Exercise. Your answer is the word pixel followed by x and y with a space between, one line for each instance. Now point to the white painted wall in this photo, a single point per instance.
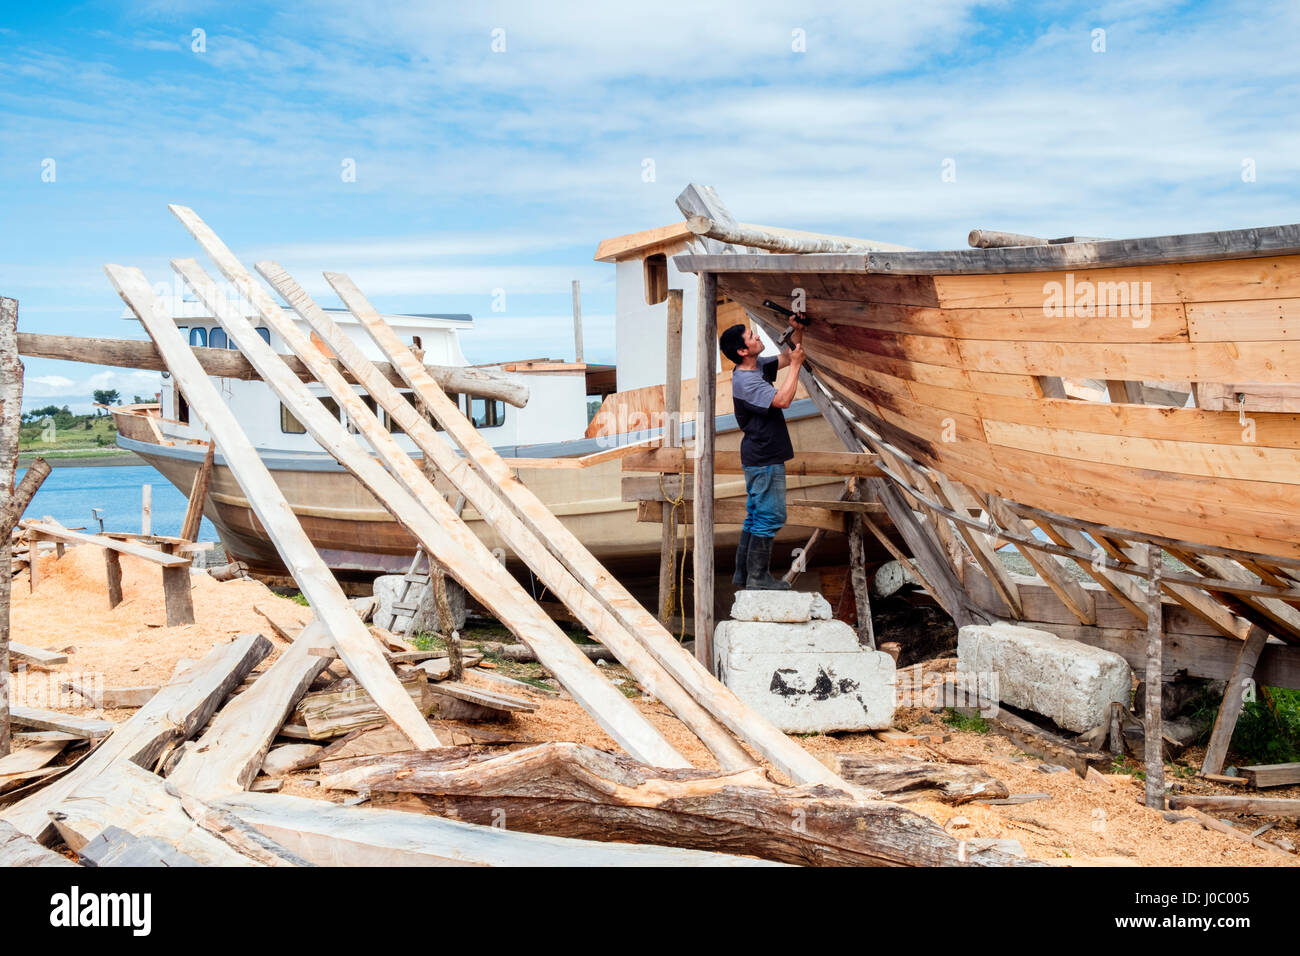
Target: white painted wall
pixel 641 331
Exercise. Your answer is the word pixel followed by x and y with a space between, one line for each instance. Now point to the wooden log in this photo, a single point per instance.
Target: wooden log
pixel 904 780
pixel 706 361
pixel 565 789
pixel 1252 806
pixel 357 648
pixel 699 684
pixel 18 849
pixel 1043 743
pixel 1234 699
pixel 198 495
pixel 429 517
pixel 176 712
pixel 224 363
pixel 995 239
pixel 330 835
pixel 1272 775
pixel 232 750
pixel 523 653
pixel 332 713
pixel 11 403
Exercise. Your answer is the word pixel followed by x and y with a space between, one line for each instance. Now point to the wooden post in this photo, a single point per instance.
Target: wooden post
pixel 1155 760
pixel 146 509
pixel 706 391
pixel 858 576
pixel 1234 697
pixel 11 400
pixel 577 321
pixel 671 436
pixel 11 511
pixel 113 572
pixel 198 494
pixel 176 591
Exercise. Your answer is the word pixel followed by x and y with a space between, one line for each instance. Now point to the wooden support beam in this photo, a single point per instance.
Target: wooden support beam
pixel 11 402
pixel 1240 685
pixel 858 577
pixel 708 692
pixel 198 495
pixel 1073 596
pixel 1155 680
pixel 705 426
pixel 176 592
pixel 113 574
pixel 981 548
pixel 355 645
pixel 12 509
pixel 731 511
pixel 50 530
pixel 669 580
pixel 174 713
pixel 673 460
pixel 226 363
pixel 1123 587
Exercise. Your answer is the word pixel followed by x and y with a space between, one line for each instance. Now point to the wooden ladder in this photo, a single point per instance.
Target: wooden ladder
pixel 403 604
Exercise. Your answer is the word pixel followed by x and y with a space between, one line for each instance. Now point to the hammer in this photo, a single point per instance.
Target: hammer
pixel 784 340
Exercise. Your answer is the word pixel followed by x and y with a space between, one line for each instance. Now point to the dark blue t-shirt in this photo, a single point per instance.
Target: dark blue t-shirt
pixel 766 441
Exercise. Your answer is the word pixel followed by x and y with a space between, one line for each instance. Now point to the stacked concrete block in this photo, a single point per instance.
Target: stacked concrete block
pixel 1070 682
pixel 783 655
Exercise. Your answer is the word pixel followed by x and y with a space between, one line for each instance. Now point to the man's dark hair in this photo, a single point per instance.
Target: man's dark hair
pixel 731 342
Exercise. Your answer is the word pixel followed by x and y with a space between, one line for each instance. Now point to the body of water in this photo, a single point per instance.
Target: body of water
pixel 69 494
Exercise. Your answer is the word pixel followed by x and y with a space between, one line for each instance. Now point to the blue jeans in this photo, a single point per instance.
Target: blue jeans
pixel 765 507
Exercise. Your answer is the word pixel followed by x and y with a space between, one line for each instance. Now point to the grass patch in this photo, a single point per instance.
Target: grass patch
pixel 973 724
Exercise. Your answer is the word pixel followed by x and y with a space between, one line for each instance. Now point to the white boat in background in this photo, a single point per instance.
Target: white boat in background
pixel 357 537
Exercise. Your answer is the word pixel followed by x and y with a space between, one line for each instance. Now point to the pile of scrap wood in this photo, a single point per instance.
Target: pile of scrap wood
pixel 149 781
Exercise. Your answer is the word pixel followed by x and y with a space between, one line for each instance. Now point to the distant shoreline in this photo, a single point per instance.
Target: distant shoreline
pixel 71 459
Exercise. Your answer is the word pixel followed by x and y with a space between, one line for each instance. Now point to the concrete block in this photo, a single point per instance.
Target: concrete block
pixel 788 607
pixel 806 678
pixel 388 588
pixel 1072 683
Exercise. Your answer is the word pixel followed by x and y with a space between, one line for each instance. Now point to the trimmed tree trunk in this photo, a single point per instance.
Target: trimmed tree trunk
pixel 11 401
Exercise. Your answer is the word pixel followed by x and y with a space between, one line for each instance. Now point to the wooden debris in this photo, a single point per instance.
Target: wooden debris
pixel 1272 775
pixel 1035 740
pixel 114 846
pixel 18 849
pixel 1207 821
pixel 905 780
pixel 112 698
pixel 36 655
pixel 1015 799
pixel 287 758
pixel 565 789
pixel 39 719
pixel 332 713
pixel 1253 806
pixel 175 713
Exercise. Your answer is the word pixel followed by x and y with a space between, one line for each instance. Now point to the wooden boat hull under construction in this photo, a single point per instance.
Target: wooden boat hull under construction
pixel 958 360
pixel 356 536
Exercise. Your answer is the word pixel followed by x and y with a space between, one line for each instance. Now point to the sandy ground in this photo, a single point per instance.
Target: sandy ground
pixel 1083 821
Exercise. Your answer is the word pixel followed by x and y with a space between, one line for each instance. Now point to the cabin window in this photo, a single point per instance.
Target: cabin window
pixel 198 337
pixel 370 404
pixel 217 340
pixel 182 406
pixel 289 424
pixel 331 406
pixel 486 414
pixel 655 272
pixel 265 333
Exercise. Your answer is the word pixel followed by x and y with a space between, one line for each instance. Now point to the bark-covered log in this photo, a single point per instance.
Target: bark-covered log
pixel 913 779
pixel 565 789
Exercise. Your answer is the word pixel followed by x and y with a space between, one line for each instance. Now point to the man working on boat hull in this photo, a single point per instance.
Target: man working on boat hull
pixel 765 449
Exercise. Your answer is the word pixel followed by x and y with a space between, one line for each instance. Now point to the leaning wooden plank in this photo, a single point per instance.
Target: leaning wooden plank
pixel 231 751
pixel 1234 699
pixel 566 789
pixel 1035 740
pixel 38 719
pixel 14 506
pixel 18 849
pixel 354 644
pixel 470 562
pixel 175 712
pixel 226 363
pixel 728 709
pixel 1072 595
pixel 1253 806
pixel 331 835
pixel 127 796
pixel 486 501
pixel 30 758
pixel 37 655
pixel 58 532
pixel 198 495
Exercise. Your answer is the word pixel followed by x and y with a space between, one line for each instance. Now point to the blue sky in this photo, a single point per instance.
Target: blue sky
pixel 479 169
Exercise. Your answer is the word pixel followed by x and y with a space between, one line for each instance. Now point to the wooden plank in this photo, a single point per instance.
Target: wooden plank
pixel 113 575
pixel 36 655
pixel 721 703
pixel 705 463
pixel 176 593
pixel 355 645
pixel 232 749
pixel 1121 586
pixel 33 757
pixel 18 849
pixel 1252 806
pixel 980 547
pixel 227 363
pixel 1155 681
pixel 330 835
pixel 38 719
pixel 674 460
pixel 1234 698
pixel 1072 595
pixel 668 577
pixel 332 713
pixel 858 578
pixel 56 532
pixel 441 531
pixel 198 495
pixel 1272 775
pixel 183 706
pixel 732 511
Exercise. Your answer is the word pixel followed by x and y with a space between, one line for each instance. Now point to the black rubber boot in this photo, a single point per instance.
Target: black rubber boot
pixel 742 556
pixel 758 561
